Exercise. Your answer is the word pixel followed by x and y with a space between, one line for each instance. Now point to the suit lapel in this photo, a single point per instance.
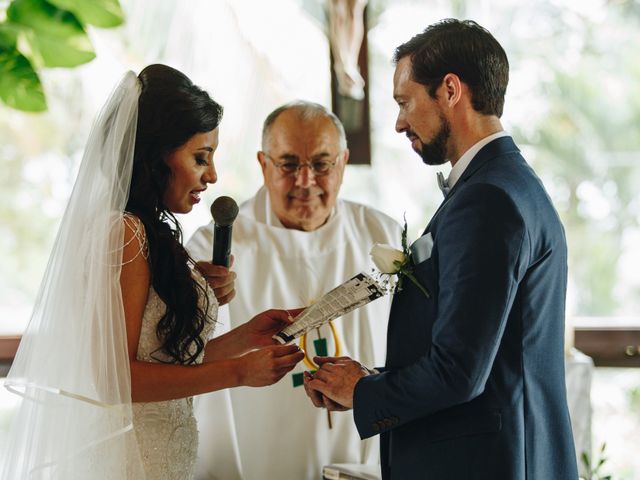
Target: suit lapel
pixel 496 148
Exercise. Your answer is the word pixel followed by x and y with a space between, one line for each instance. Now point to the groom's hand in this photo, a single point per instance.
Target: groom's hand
pixel 336 380
pixel 318 399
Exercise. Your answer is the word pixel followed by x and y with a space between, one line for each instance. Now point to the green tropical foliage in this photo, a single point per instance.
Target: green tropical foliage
pixel 39 34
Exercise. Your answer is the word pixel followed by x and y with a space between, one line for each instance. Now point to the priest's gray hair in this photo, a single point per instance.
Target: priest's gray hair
pixel 307 111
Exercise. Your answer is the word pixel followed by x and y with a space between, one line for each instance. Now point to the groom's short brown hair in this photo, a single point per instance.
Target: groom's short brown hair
pixel 466 49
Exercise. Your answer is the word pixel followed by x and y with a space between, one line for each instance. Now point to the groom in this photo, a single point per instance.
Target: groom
pixel 473 386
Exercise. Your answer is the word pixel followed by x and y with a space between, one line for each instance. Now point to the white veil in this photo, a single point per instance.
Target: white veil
pixel 72 369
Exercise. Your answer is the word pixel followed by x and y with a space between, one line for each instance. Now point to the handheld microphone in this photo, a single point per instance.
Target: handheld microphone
pixel 224 211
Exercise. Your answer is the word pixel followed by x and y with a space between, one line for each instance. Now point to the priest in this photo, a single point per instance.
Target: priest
pixel 294 241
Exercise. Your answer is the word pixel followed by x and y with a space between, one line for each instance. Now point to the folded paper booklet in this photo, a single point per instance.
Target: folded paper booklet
pixel 353 293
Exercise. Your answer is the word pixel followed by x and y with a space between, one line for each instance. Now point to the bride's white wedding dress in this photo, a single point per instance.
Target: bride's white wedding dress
pixel 166 432
pixel 75 419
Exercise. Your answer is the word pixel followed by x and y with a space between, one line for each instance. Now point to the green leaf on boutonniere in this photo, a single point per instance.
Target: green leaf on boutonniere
pixel 409 274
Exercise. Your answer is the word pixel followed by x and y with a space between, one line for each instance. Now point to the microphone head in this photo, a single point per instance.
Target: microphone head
pixel 224 210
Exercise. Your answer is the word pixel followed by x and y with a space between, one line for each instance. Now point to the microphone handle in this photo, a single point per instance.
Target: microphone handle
pixel 221 244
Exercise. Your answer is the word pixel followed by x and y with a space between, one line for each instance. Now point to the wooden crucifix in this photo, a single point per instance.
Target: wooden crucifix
pixel 349 74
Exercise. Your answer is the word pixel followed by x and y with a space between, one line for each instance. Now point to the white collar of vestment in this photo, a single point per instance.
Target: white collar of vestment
pixel 461 165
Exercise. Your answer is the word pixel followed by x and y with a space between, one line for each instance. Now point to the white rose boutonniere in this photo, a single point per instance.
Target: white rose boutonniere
pixel 391 261
pixel 386 258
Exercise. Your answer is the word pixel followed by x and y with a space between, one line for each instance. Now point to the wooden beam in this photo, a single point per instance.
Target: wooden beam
pixel 610 346
pixel 8 348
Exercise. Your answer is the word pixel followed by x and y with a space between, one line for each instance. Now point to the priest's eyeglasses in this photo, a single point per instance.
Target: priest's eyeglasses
pixel 292 168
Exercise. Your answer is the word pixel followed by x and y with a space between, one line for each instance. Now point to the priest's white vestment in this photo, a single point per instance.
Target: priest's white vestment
pixel 275 432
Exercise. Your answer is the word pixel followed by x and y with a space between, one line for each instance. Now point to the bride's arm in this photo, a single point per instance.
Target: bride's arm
pixel 232 344
pixel 157 382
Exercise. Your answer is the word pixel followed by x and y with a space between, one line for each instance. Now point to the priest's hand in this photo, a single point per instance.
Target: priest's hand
pixel 258 331
pixel 220 279
pixel 336 380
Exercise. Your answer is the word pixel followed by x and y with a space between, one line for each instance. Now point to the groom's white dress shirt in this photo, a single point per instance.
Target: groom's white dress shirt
pixel 463 162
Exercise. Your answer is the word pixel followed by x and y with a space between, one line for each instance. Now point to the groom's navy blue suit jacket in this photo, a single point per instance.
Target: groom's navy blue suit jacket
pixel 473 386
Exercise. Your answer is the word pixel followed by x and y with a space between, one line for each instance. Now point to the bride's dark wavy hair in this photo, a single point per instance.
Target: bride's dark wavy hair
pixel 171 110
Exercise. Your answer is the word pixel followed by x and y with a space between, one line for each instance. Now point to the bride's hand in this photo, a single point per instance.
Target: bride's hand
pixel 268 365
pixel 220 279
pixel 259 330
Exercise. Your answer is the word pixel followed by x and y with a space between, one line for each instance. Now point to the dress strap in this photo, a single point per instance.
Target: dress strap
pixel 135 225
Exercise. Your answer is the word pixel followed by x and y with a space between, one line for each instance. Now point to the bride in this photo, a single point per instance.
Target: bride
pixel 119 340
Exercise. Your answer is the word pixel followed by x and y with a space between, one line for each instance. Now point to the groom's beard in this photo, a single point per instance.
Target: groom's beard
pixel 435 152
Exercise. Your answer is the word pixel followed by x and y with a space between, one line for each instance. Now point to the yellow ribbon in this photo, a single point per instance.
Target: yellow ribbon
pixel 303 345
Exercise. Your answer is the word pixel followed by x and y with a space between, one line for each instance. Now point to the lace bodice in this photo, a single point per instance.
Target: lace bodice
pixel 166 431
